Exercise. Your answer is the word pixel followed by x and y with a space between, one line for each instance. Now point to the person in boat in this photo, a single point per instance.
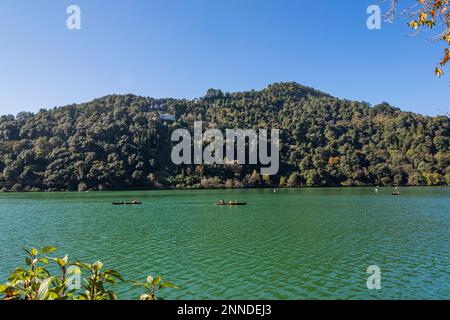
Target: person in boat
pixel 222 201
pixel 135 202
pixel 396 191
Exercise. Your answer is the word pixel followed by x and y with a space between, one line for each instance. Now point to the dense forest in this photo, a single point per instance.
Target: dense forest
pixel 124 142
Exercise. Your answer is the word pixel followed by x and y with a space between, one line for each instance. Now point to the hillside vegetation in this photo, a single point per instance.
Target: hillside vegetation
pixel 119 142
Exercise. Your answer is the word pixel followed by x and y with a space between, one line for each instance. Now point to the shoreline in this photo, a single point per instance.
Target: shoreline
pixel 224 189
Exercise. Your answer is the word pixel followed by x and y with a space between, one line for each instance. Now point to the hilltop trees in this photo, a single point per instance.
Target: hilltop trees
pixel 119 142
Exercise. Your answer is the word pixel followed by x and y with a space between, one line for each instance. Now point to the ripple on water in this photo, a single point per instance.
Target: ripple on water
pixel 295 244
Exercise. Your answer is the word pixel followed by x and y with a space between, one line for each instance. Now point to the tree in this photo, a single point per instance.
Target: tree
pixel 432 178
pixel 429 14
pixel 293 180
pixel 114 143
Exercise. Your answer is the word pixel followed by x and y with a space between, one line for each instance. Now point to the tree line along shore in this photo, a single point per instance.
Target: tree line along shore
pixel 124 142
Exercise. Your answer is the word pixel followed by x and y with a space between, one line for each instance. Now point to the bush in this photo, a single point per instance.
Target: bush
pixel 35 282
pixel 16 188
pixel 82 187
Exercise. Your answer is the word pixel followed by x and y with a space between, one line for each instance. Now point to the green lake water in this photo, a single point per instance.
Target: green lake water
pixel 293 244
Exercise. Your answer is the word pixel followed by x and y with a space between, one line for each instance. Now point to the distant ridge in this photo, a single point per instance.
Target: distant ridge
pixel 123 142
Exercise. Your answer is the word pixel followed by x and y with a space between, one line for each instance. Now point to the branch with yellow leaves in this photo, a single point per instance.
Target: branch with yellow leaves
pixel 432 15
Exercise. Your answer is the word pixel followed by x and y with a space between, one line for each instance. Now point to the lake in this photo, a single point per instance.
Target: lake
pixel 293 244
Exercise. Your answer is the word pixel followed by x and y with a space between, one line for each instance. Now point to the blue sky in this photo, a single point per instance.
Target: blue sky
pixel 180 48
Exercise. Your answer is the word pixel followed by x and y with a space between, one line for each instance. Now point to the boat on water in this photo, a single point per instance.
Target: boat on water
pixel 123 203
pixel 231 203
pixel 396 192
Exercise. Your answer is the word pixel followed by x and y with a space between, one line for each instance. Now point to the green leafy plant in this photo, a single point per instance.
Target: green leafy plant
pixel 152 287
pixel 35 282
pixel 63 288
pixel 95 283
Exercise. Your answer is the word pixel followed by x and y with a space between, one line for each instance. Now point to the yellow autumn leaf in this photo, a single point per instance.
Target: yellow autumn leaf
pixel 447 38
pixel 423 18
pixel 446 58
pixel 438 72
pixel 414 24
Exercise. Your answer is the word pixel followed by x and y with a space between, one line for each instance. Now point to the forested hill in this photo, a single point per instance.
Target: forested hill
pixel 122 142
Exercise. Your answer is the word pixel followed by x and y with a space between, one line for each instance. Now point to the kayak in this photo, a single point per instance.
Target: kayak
pixel 126 203
pixel 232 204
